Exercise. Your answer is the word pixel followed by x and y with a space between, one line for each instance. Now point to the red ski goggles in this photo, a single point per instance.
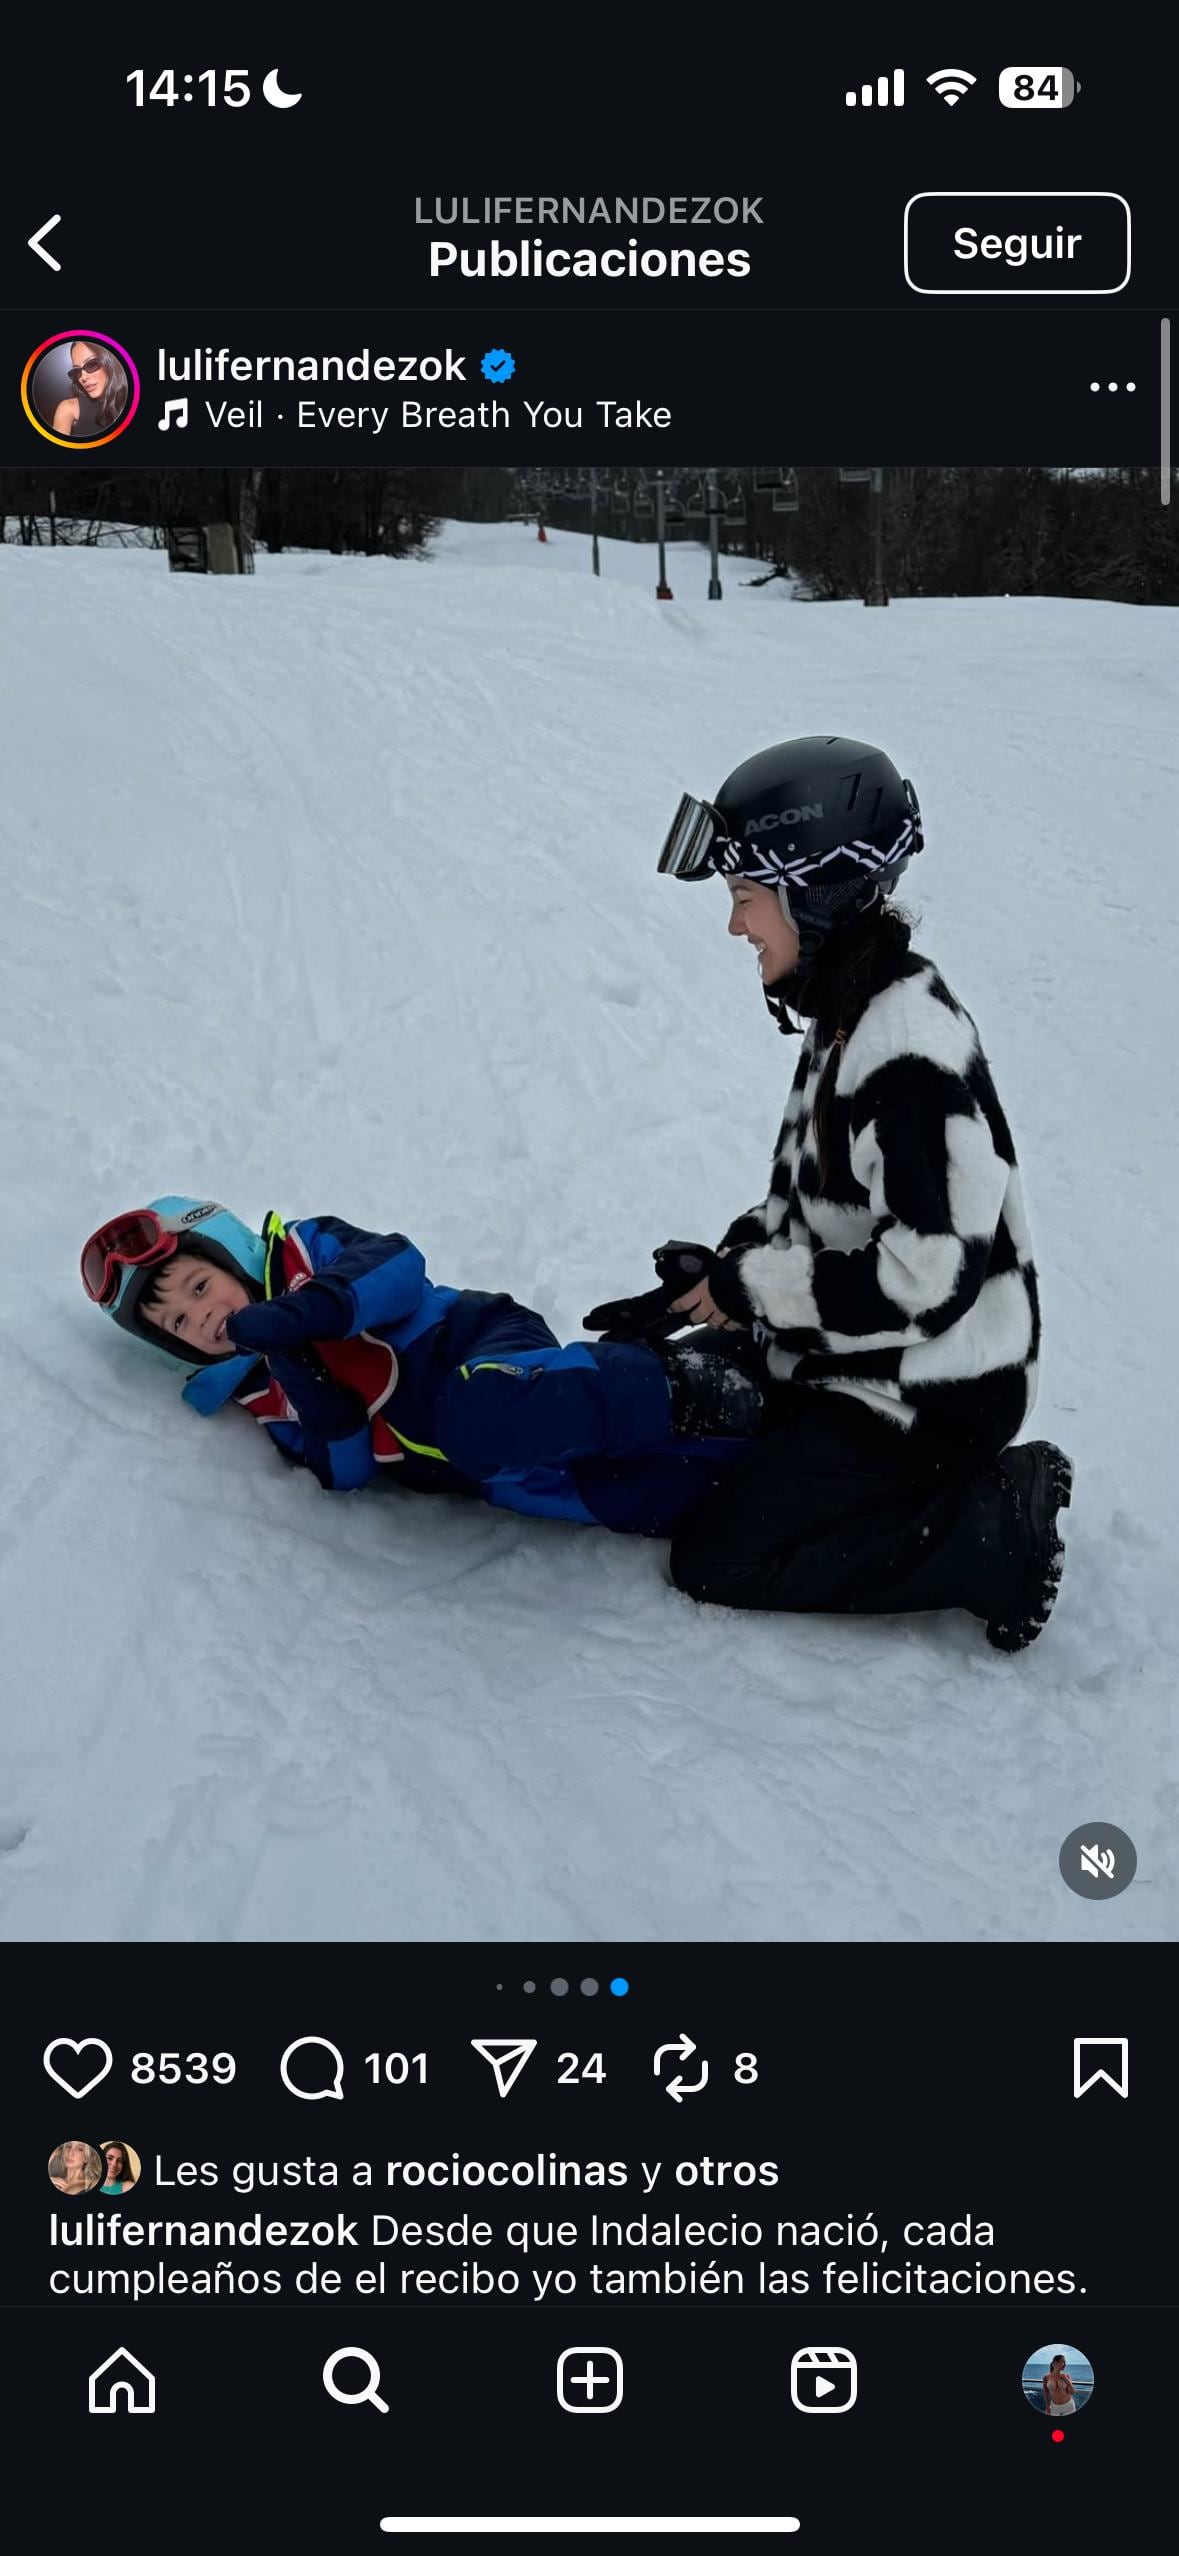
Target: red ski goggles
pixel 126 1242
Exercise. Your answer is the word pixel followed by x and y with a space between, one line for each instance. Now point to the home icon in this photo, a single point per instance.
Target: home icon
pixel 122 2386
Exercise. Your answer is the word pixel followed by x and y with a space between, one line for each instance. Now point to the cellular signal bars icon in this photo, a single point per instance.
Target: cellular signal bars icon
pixel 876 93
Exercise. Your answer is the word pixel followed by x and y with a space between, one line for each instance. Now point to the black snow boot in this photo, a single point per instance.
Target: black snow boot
pixel 717 1389
pixel 1040 1477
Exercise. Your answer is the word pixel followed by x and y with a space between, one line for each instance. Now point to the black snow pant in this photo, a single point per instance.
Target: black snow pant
pixel 825 1516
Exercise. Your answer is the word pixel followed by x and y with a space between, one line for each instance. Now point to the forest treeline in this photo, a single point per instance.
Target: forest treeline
pixel 968 531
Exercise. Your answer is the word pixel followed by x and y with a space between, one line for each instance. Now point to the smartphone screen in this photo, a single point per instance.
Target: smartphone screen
pixel 587 1855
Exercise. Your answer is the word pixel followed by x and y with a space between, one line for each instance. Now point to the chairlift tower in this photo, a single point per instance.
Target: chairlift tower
pixel 536 486
pixel 663 593
pixel 874 479
pixel 715 590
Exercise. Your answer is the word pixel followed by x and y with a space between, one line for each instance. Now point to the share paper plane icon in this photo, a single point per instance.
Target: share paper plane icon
pixel 507 2058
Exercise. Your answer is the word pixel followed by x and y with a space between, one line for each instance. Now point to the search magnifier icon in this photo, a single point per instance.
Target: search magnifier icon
pixel 358 2396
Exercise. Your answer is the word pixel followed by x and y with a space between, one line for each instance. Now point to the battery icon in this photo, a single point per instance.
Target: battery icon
pixel 1024 86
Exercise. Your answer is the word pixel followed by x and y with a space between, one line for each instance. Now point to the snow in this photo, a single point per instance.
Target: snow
pixel 334 889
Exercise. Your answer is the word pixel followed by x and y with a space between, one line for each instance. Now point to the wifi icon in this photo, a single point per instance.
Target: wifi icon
pixel 951 85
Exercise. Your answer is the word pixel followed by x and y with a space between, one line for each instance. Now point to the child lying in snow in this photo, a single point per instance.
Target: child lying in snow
pixel 361 1368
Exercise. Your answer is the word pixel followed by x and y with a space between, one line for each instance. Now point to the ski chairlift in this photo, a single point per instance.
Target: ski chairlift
pixel 618 495
pixel 695 501
pixel 644 497
pixel 781 487
pixel 854 478
pixel 731 490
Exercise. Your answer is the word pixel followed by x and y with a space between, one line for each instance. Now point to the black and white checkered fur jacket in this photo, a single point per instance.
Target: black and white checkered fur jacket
pixel 901 1274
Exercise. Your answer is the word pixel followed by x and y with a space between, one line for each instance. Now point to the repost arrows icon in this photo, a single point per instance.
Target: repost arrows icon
pixel 507 2058
pixel 677 2087
pixel 36 237
pixel 681 2049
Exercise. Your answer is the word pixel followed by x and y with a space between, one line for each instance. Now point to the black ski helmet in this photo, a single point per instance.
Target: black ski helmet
pixel 828 822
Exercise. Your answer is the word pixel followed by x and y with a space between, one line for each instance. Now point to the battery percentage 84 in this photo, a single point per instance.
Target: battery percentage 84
pixel 1037 86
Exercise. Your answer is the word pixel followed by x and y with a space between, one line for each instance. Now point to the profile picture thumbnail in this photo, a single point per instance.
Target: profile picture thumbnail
pixel 123 2168
pixel 80 389
pixel 1057 2380
pixel 76 2167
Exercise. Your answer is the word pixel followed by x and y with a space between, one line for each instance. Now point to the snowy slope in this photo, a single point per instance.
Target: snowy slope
pixel 335 889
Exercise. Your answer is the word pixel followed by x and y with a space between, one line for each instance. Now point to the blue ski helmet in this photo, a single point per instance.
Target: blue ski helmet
pixel 211 1233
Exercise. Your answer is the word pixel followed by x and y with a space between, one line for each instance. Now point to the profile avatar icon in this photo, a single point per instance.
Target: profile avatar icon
pixel 123 2168
pixel 80 388
pixel 75 2168
pixel 1057 2380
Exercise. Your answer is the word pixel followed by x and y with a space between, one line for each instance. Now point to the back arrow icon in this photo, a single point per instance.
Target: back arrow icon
pixel 36 239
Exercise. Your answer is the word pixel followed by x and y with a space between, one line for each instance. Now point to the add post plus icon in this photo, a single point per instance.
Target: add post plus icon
pixel 506 2058
pixel 589 2379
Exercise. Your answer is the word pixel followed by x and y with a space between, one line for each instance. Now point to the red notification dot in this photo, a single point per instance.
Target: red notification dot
pixel 1058 2436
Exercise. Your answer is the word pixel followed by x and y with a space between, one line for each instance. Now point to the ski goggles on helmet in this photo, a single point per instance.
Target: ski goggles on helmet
pixel 697 840
pixel 133 1241
pixel 700 846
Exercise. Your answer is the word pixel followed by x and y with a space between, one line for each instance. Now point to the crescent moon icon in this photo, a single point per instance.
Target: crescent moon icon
pixel 276 95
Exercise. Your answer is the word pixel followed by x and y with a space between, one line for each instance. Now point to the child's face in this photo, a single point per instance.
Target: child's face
pixel 194 1302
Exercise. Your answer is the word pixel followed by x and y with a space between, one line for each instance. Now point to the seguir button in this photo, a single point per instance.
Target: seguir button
pixel 1017 241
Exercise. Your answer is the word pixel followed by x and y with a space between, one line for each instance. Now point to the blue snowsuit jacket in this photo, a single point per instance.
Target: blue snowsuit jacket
pixel 447 1388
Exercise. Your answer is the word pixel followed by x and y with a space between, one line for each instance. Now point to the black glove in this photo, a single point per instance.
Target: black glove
pixel 683 1265
pixel 652 1317
pixel 289 1321
pixel 637 1318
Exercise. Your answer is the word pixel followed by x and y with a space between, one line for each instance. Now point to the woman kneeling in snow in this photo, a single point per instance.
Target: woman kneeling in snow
pixel 887 1275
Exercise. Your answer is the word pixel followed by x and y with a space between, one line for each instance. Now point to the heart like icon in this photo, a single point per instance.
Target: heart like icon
pixel 63 2042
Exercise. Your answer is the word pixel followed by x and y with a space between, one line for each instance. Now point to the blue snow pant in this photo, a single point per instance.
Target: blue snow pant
pixel 574 1432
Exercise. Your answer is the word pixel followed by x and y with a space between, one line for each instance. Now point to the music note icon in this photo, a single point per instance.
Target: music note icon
pixel 175 414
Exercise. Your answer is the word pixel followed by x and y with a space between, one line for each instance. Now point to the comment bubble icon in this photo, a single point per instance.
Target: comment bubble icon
pixel 308 2080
